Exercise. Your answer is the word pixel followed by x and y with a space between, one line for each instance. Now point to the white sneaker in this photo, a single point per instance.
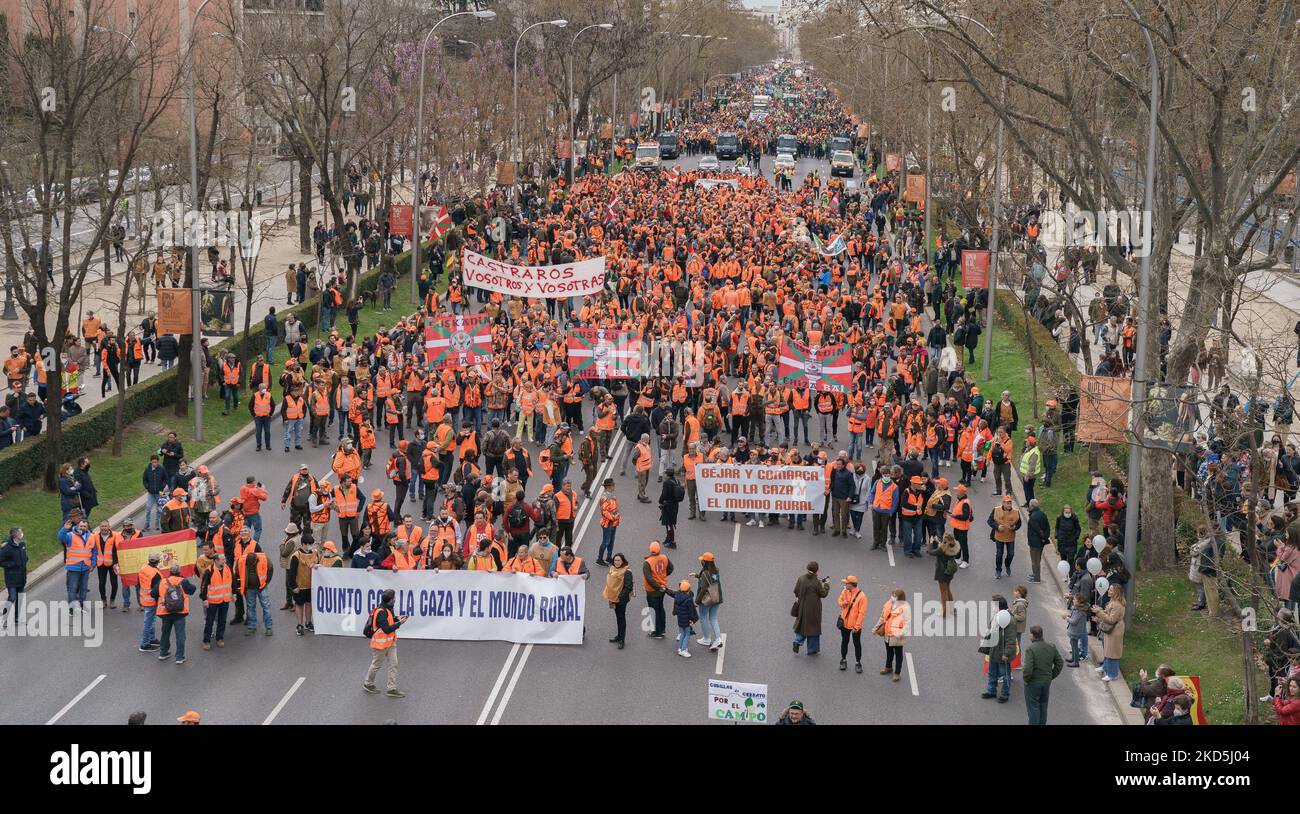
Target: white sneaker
pixel 981 478
pixel 963 564
pixel 761 524
pixel 751 522
pixel 684 654
pixel 1099 669
pixel 704 642
pixel 857 534
pixel 1107 679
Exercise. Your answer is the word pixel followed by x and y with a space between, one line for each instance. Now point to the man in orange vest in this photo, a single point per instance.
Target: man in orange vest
pixel 172 593
pixel 382 632
pixel 262 407
pixel 566 509
pixel 643 461
pixel 79 560
pixel 347 506
pixel 231 371
pixel 216 589
pixel 145 579
pixel 655 571
pixel 253 570
pixel 884 505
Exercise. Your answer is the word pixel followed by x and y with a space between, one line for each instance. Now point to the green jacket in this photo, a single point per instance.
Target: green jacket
pixel 1049 434
pixel 1042 662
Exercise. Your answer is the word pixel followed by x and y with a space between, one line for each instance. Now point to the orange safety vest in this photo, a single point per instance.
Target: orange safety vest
pixel 642 456
pixel 144 580
pixel 243 572
pixel 572 568
pixel 377 515
pixel 346 503
pixel 320 403
pixel 563 506
pixel 79 550
pixel 292 407
pixel 262 404
pixel 883 497
pixel 230 375
pixel 957 509
pixel 105 549
pixel 913 503
pixel 166 583
pixel 659 568
pixel 219 591
pixel 609 517
pixel 380 640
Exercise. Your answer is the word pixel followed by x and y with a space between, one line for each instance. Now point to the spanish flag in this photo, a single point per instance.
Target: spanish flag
pixel 1193 686
pixel 172 548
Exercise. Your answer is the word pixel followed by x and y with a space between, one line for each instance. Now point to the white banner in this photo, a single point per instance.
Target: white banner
pixel 462 605
pixel 760 489
pixel 574 279
pixel 737 702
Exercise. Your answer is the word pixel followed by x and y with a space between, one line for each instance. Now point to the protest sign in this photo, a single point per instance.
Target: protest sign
pixel 575 279
pixel 760 489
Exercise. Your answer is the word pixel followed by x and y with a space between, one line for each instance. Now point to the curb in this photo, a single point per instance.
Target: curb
pixel 54 564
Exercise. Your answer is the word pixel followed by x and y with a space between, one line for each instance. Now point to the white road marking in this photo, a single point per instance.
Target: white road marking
pixel 590 508
pixel 911 673
pixel 74 701
pixel 496 688
pixel 284 700
pixel 510 690
pixel 722 651
pixel 889 549
pixel 735 540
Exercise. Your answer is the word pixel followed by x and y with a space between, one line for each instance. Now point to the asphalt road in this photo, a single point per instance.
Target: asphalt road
pixel 286 679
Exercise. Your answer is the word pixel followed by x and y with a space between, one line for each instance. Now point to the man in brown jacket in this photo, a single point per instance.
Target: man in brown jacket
pixel 1004 521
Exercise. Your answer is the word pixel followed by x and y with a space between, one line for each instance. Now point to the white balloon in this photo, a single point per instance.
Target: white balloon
pixel 1102 584
pixel 1094 566
pixel 1063 568
pixel 1003 618
pixel 1099 542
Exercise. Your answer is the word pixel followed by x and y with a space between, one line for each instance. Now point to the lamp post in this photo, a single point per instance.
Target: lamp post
pixel 485 14
pixel 196 351
pixel 1134 497
pixel 569 99
pixel 518 148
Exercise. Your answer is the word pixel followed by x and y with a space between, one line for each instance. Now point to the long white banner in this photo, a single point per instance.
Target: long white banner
pixel 462 605
pixel 761 489
pixel 554 282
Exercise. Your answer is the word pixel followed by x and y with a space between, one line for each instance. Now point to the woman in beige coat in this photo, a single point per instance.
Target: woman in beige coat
pixel 1112 639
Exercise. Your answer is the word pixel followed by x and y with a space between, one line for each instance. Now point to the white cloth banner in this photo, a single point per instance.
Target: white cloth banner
pixel 574 279
pixel 461 605
pixel 760 489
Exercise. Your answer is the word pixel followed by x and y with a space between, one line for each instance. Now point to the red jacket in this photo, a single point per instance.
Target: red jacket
pixel 251 496
pixel 1288 712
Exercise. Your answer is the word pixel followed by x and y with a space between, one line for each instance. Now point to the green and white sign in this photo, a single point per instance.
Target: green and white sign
pixel 736 702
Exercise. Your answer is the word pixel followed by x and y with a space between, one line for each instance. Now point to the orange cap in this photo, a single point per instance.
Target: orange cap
pixel 706 556
pixel 190 717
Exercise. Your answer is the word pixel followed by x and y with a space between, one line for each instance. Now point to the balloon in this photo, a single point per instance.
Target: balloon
pixel 1003 618
pixel 1094 566
pixel 1102 585
pixel 1063 568
pixel 1099 542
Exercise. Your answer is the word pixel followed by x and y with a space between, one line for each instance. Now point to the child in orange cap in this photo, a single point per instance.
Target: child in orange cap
pixel 684 610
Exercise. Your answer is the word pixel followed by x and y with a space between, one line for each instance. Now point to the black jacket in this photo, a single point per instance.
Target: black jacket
pixel 155 479
pixel 1067 532
pixel 1040 529
pixel 635 425
pixel 13 559
pixel 168 347
pixel 89 497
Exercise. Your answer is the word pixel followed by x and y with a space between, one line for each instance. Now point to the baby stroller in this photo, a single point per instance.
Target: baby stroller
pixel 69 408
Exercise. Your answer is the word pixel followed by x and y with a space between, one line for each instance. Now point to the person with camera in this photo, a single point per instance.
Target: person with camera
pixel 382 632
pixel 809 591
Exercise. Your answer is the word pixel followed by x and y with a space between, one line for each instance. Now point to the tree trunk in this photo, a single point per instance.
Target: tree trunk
pixel 304 205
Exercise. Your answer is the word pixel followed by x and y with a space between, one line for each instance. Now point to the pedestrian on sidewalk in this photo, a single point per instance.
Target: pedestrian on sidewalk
pixel 13 562
pixel 1039 532
pixel 809 591
pixel 291 282
pixel 1042 664
pixel 271 327
pixel 382 632
pixel 172 594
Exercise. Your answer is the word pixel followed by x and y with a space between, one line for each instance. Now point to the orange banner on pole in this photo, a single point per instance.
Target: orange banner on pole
pixel 915 191
pixel 864 130
pixel 401 220
pixel 172 548
pixel 1104 403
pixel 505 173
pixel 174 306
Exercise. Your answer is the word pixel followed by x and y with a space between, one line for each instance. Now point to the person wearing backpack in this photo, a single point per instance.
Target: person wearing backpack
pixel 381 630
pixel 173 597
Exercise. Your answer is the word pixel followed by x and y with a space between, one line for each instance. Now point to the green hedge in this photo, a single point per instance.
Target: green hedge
pixel 1048 354
pixel 94 428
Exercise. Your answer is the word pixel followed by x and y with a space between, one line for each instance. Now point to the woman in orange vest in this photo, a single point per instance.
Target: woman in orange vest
pixel 853 609
pixel 382 631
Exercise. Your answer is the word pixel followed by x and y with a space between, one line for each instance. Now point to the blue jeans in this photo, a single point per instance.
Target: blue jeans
pixel 253 598
pixel 231 394
pixel 934 461
pixel 270 348
pixel 294 426
pixel 153 504
pixel 855 445
pixel 683 636
pixel 254 522
pixel 1110 667
pixel 709 621
pixel 606 551
pixel 146 633
pixel 999 670
pixel 262 431
pixel 166 364
pixel 78 583
pixel 814 643
pixel 172 622
pixel 126 596
pixel 912 536
pixel 1078 647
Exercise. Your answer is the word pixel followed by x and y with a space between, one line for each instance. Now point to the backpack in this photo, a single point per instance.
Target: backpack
pixel 959 335
pixel 518 516
pixel 174 598
pixel 999 457
pixel 369 630
pixel 709 420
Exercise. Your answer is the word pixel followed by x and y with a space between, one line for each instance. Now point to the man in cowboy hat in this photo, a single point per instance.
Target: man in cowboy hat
pixel 292 535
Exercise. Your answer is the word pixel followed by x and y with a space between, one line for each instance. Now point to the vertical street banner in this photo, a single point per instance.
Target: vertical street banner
pixel 915 191
pixel 505 173
pixel 442 224
pixel 827 369
pixel 174 307
pixel 892 162
pixel 401 220
pixel 576 279
pixel 864 130
pixel 760 489
pixel 974 268
pixel 458 341
pixel 172 548
pixel 455 605
pixel 217 311
pixel 1104 403
pixel 597 353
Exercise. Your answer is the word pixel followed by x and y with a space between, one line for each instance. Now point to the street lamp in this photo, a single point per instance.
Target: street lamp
pixel 470 42
pixel 569 100
pixel 484 14
pixel 196 351
pixel 559 23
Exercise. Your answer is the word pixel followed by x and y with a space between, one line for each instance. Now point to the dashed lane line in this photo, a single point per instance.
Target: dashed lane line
pixel 92 685
pixel 284 700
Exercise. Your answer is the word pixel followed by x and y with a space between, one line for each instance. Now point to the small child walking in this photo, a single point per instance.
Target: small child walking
pixel 684 610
